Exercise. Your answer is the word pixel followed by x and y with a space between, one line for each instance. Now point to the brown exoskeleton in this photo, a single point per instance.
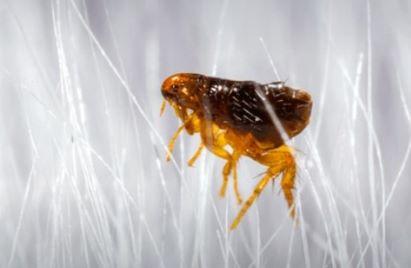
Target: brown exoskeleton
pixel 249 117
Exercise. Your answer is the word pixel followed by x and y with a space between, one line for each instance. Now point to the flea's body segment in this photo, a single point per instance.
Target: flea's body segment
pixel 248 117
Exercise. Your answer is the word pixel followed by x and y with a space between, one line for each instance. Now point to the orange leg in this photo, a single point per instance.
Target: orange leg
pixel 283 156
pixel 219 150
pixel 196 155
pixel 287 184
pixel 215 141
pixel 279 160
pixel 187 123
pixel 226 173
pixel 172 142
pixel 240 145
pixel 236 157
pixel 272 172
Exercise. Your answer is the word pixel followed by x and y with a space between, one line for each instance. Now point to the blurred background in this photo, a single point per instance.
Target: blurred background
pixel 83 176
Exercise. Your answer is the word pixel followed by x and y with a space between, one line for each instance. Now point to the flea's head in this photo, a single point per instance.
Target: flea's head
pixel 180 89
pixel 292 107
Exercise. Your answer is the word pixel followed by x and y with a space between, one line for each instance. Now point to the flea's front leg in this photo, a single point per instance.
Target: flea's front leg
pixel 175 136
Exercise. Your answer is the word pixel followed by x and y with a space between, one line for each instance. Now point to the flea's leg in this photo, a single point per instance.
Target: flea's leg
pixel 226 173
pixel 196 155
pixel 240 145
pixel 215 141
pixel 219 150
pixel 172 142
pixel 175 136
pixel 284 156
pixel 236 157
pixel 287 184
pixel 257 190
pixel 280 160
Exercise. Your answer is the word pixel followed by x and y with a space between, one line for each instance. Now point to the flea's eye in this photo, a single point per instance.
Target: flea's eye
pixel 174 88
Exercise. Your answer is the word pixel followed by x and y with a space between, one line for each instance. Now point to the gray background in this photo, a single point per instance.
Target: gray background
pixel 83 176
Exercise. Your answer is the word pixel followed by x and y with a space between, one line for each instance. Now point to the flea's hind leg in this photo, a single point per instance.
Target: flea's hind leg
pixel 287 184
pixel 271 173
pixel 284 156
pixel 279 160
pixel 196 155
